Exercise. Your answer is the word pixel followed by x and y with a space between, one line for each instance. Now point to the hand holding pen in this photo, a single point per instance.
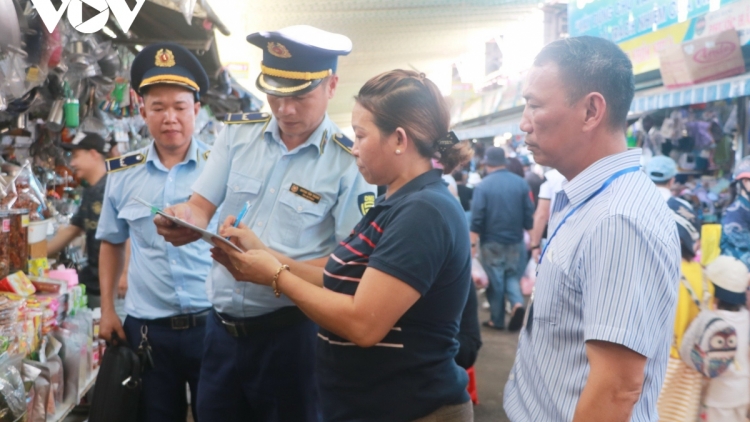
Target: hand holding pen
pixel 240 234
pixel 243 213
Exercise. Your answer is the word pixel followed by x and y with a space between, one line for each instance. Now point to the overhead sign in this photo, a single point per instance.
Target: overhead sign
pixel 704 59
pixel 124 15
pixel 644 50
pixel 621 20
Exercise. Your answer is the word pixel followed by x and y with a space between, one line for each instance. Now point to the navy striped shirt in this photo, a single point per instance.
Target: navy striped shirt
pixel 610 274
pixel 418 235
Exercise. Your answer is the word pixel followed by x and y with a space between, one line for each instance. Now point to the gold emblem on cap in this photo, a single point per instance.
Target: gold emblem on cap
pixel 165 58
pixel 278 50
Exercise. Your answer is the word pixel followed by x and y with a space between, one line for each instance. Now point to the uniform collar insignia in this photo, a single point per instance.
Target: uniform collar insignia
pixel 124 162
pixel 323 142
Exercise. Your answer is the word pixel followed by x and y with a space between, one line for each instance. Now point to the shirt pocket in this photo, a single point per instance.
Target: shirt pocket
pixel 140 223
pixel 553 287
pixel 297 215
pixel 240 188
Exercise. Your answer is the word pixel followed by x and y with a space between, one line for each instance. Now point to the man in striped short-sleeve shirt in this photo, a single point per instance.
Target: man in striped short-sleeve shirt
pixel 597 337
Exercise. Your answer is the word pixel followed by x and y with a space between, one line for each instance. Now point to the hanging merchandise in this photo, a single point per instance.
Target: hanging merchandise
pixel 122 101
pixel 186 8
pixel 701 139
pixel 71 111
pixel 54 86
pixel 10 32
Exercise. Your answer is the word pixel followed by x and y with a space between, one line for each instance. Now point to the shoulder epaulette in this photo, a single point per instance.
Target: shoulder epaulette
pixel 125 162
pixel 343 142
pixel 236 118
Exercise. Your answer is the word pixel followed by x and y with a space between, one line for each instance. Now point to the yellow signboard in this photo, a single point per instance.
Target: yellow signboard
pixel 644 50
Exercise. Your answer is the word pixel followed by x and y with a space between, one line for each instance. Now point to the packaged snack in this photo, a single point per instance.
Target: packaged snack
pixel 17 283
pixel 38 266
pixel 12 394
pixel 4 243
pixel 49 285
pixel 18 254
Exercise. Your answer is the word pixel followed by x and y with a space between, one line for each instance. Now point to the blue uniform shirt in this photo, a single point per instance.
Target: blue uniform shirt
pixel 163 280
pixel 303 202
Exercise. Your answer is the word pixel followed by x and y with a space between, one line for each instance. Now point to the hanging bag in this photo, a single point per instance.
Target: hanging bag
pixel 118 385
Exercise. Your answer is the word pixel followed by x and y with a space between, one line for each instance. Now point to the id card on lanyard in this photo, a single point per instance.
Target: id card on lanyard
pixel 529 315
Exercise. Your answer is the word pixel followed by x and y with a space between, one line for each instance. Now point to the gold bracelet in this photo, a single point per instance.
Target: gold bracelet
pixel 276 278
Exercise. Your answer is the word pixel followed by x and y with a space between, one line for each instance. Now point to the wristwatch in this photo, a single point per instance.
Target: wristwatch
pixel 535 247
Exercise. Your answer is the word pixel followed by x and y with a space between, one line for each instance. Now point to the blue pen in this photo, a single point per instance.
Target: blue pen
pixel 239 218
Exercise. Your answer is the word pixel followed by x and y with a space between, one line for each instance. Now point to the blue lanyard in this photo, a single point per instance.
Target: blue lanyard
pixel 577 207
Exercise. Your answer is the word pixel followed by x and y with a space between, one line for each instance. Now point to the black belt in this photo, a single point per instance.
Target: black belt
pixel 242 327
pixel 180 322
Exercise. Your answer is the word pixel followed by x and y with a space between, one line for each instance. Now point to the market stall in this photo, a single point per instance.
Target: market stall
pixel 54 86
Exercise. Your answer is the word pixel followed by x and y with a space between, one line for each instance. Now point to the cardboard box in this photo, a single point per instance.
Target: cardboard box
pixel 705 59
pixel 38 249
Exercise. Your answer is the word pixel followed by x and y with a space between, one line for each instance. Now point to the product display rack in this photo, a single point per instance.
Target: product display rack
pixel 64 410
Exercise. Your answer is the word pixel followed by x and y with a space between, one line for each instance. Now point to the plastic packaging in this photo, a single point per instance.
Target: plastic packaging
pixel 478 274
pixel 24 191
pixel 186 8
pixel 4 244
pixel 529 278
pixel 42 403
pixel 19 253
pixel 12 394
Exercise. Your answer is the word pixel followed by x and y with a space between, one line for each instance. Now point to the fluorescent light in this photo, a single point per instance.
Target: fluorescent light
pixel 109 32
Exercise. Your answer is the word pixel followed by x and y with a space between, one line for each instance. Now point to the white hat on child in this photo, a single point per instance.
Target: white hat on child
pixel 730 277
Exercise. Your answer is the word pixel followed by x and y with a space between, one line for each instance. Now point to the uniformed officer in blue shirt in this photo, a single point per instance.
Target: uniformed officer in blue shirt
pixel 166 303
pixel 305 195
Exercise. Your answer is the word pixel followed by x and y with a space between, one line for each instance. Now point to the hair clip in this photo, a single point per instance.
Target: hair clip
pixel 446 142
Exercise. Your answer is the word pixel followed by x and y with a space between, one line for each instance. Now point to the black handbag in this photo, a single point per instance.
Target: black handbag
pixel 118 386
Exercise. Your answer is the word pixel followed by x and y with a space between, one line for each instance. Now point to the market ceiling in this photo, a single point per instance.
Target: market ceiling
pixel 424 35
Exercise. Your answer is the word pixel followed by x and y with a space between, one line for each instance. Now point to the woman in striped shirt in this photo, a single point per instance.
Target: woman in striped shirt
pixel 394 290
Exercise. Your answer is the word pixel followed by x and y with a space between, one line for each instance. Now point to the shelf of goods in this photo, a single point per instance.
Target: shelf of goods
pixel 64 410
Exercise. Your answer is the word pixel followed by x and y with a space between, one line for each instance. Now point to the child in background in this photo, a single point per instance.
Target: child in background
pixel 728 395
pixel 680 397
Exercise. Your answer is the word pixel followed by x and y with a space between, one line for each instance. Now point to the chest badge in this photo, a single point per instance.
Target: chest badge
pixel 366 201
pixel 307 194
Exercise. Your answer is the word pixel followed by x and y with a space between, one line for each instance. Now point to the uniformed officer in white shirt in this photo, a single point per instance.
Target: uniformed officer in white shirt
pixel 166 304
pixel 305 194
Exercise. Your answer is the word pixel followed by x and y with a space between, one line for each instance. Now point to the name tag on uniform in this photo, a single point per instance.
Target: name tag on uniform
pixel 309 195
